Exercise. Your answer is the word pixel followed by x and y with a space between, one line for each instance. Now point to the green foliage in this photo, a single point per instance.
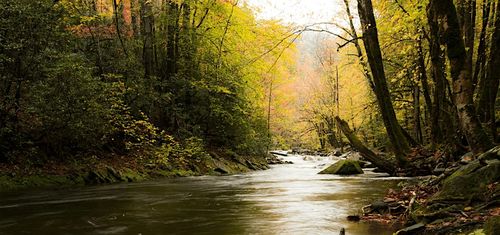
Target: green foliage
pixel 73 81
pixel 69 107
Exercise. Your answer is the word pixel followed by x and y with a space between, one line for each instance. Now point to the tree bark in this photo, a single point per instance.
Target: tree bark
pixel 467 18
pixel 187 49
pixel 133 16
pixel 481 51
pixel 444 11
pixel 117 17
pixel 424 80
pixel 417 127
pixel 172 39
pixel 370 38
pixel 330 132
pixel 378 161
pixel 488 94
pixel 147 27
pixel 355 41
pixel 439 78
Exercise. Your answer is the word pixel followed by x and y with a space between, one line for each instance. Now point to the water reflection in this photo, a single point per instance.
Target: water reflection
pixel 288 199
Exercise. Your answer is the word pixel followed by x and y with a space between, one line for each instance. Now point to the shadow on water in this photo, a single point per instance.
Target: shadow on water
pixel 288 199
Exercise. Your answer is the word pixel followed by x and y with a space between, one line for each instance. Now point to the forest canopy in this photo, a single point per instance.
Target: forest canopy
pixel 93 76
pixel 131 77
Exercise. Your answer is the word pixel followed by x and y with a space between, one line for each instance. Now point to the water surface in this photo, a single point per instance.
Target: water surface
pixel 287 199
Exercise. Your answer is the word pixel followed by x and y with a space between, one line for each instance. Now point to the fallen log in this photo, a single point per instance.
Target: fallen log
pixel 279 153
pixel 381 163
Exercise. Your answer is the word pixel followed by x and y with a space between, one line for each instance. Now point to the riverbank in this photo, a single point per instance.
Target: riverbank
pixel 464 199
pixel 114 169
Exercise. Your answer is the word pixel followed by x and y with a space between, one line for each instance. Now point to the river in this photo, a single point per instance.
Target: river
pixel 287 199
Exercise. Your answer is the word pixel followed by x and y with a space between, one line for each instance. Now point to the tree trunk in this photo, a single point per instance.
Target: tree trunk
pixel 370 38
pixel 439 78
pixel 481 51
pixel 331 133
pixel 417 127
pixel 117 17
pixel 467 18
pixel 133 16
pixel 355 41
pixel 488 94
pixel 147 25
pixel 322 135
pixel 186 43
pixel 378 161
pixel 172 39
pixel 444 11
pixel 424 80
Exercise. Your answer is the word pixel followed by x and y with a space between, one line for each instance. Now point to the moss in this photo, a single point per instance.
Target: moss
pixel 430 214
pixel 464 170
pixel 8 183
pixel 172 173
pixel 492 225
pixel 469 183
pixel 209 165
pixel 129 175
pixel 111 175
pixel 477 232
pixel 343 167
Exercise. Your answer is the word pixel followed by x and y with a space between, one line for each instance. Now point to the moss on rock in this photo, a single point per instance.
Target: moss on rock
pixel 110 175
pixel 470 182
pixel 9 183
pixel 344 167
pixel 492 225
pixel 213 164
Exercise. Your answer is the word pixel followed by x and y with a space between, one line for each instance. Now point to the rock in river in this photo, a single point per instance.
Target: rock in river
pixel 344 167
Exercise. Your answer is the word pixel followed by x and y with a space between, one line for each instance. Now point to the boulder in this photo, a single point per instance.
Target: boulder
pixel 343 167
pixel 469 182
pixel 352 155
pixel 110 175
pixel 308 158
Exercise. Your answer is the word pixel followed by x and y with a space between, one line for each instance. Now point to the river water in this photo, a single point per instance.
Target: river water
pixel 287 199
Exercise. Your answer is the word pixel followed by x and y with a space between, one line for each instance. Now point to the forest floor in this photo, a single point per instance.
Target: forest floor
pixel 115 168
pixel 464 199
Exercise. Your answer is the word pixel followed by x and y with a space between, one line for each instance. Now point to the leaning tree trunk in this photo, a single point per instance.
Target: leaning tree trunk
pixel 381 163
pixel 370 38
pixel 444 11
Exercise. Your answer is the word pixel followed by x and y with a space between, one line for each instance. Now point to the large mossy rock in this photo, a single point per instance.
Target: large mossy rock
pixel 470 182
pixel 492 226
pixel 343 167
pixel 110 175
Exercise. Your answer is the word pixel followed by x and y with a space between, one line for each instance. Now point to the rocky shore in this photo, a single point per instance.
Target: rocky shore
pixel 463 199
pixel 115 169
